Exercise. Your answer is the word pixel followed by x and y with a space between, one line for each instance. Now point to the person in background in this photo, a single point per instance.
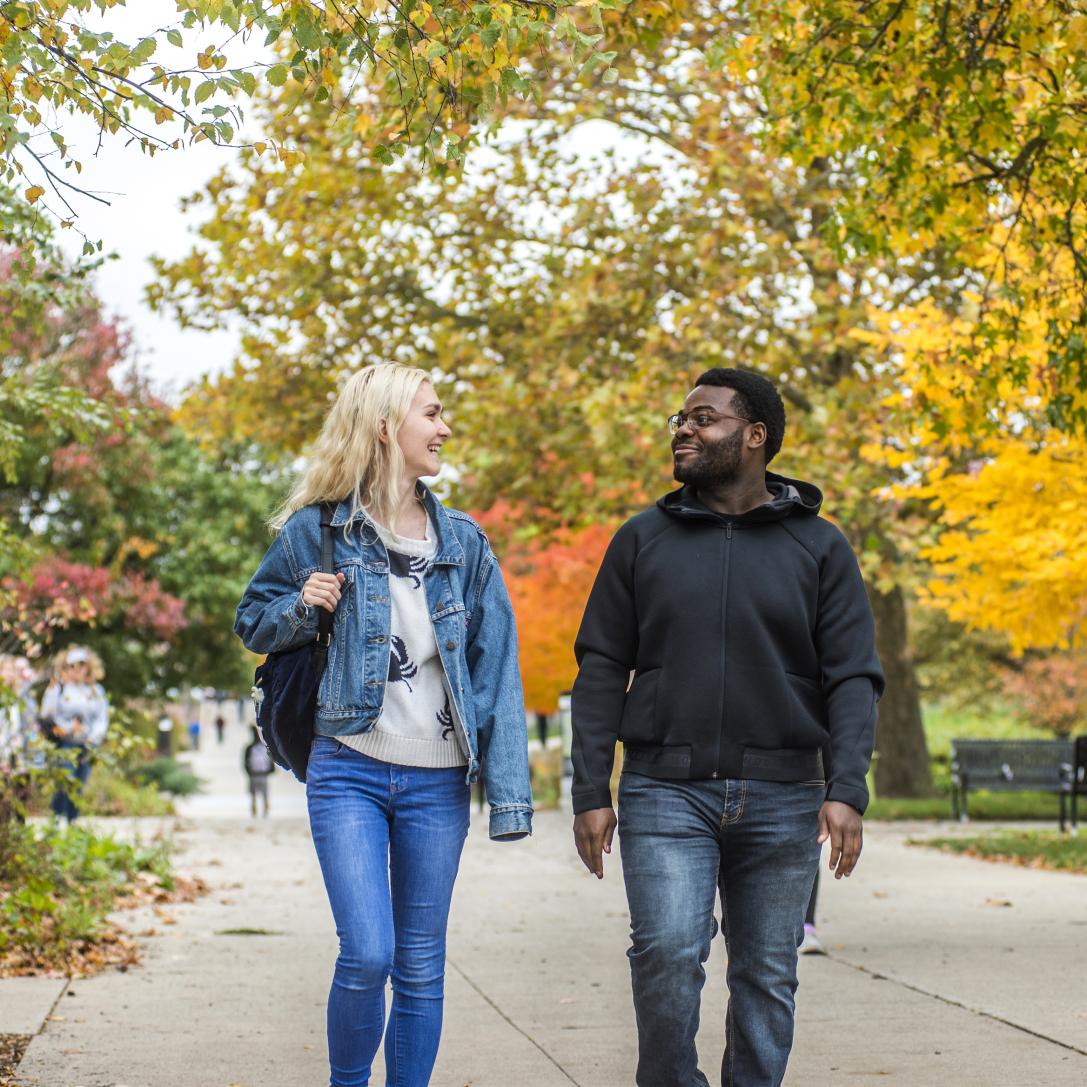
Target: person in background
pixel 164 737
pixel 74 716
pixel 194 735
pixel 220 726
pixel 258 767
pixel 811 945
pixel 16 735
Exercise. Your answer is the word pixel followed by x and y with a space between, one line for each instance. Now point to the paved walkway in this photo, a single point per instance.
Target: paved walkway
pixel 942 970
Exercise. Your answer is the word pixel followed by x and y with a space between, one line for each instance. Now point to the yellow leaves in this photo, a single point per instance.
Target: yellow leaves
pixel 420 15
pixel 1076 34
pixel 34 194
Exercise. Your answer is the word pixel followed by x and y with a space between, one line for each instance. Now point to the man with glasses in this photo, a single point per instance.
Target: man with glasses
pixel 729 644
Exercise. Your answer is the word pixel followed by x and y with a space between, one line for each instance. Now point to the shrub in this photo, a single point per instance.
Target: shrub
pixel 1052 691
pixel 58 886
pixel 110 793
pixel 170 776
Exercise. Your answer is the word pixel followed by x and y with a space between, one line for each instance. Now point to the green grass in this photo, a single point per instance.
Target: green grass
pixel 983 807
pixel 1031 848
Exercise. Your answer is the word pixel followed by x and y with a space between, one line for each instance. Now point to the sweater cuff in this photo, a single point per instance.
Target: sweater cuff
pixel 508 824
pixel 853 795
pixel 591 798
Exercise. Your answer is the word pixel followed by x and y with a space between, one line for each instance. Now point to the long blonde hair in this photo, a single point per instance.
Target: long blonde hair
pixel 349 458
pixel 62 663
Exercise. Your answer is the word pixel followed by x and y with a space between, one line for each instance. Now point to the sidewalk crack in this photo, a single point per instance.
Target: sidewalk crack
pixel 878 975
pixel 502 1015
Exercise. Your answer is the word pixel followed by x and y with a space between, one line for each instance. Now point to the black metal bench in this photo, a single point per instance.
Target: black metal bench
pixel 1045 766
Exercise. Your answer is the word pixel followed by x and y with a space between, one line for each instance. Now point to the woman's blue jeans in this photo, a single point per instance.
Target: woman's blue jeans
pixel 78 763
pixel 680 841
pixel 389 840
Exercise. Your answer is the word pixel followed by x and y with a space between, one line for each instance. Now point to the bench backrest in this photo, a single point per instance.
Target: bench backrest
pixel 1009 761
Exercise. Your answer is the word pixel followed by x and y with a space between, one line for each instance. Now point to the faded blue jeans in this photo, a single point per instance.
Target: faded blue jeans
pixel 680 841
pixel 389 840
pixel 77 761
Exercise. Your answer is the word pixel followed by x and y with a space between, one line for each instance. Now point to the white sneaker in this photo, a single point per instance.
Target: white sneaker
pixel 810 945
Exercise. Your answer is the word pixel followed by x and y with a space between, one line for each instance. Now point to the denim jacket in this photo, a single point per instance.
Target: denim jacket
pixel 473 626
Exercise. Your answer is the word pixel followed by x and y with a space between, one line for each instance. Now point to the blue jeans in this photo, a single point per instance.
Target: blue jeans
pixel 78 763
pixel 389 840
pixel 680 842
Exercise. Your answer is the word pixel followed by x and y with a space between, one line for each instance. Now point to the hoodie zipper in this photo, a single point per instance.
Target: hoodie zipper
pixel 724 641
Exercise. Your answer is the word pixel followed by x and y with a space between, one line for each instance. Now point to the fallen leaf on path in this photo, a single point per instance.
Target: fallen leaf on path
pixel 997 902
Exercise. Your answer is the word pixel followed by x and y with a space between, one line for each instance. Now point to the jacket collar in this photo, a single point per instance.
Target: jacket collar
pixel 448 551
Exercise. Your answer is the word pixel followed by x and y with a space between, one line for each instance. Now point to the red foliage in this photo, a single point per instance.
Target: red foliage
pixel 147 607
pixel 58 593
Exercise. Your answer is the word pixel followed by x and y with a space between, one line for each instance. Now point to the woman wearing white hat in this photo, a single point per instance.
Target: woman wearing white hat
pixel 75 715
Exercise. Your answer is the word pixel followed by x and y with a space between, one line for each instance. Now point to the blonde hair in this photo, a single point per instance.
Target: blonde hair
pixel 349 458
pixel 93 662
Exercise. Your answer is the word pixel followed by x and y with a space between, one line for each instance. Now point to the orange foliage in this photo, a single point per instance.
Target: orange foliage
pixel 549 583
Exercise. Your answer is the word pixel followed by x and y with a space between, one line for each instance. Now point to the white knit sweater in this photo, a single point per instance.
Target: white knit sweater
pixel 417 726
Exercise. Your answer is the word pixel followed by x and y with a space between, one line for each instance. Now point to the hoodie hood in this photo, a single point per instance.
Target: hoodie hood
pixel 791 497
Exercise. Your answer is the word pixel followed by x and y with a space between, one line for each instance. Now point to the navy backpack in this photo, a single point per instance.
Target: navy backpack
pixel 285 685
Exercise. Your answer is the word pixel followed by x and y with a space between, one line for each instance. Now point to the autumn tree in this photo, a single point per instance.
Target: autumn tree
pixel 119 530
pixel 433 67
pixel 966 124
pixel 569 301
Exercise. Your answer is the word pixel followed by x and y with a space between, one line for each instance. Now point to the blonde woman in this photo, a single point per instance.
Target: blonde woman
pixel 421 696
pixel 74 714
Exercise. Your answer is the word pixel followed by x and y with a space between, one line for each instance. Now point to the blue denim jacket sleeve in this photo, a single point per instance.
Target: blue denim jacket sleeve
pixel 271 615
pixel 499 705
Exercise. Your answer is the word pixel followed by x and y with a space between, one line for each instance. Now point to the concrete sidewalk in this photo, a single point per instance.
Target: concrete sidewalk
pixel 942 970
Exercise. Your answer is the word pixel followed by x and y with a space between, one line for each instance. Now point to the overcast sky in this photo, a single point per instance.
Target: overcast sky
pixel 143 217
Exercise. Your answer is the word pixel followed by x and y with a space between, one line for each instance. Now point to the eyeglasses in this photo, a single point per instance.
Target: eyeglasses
pixel 699 419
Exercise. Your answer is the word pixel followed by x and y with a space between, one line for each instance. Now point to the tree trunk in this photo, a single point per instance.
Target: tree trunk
pixel 902 766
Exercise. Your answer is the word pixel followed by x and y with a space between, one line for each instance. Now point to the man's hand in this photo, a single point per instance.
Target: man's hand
pixel 593 831
pixel 842 824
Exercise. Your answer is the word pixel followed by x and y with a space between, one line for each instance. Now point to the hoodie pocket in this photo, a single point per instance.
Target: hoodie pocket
pixel 638 723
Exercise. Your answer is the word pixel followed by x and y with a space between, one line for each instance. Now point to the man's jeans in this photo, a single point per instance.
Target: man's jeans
pixel 679 840
pixel 389 840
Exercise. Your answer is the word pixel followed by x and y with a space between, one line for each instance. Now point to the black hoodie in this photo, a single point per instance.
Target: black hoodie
pixel 751 643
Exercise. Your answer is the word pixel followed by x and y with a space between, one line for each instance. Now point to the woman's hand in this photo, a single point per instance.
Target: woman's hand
pixel 322 590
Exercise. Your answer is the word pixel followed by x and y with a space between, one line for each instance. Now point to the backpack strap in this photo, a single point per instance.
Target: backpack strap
pixel 324 618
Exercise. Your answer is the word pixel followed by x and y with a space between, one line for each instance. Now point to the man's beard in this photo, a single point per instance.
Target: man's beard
pixel 718 462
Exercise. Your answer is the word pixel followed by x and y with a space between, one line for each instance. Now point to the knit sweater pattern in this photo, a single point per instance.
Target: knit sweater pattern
pixel 417 725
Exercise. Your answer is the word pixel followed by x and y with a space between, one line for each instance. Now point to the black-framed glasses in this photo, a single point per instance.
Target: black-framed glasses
pixel 699 419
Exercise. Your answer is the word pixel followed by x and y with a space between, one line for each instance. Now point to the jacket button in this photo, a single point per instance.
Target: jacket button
pixel 450 645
